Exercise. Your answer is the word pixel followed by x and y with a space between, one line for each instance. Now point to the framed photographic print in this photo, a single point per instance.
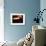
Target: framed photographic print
pixel 17 18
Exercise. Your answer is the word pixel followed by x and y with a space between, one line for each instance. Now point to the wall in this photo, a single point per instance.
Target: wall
pixel 1 21
pixel 43 6
pixel 29 7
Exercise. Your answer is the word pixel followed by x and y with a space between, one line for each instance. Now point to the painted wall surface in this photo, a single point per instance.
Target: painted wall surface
pixel 43 6
pixel 29 7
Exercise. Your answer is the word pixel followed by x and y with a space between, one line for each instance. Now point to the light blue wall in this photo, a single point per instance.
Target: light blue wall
pixel 43 6
pixel 29 7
